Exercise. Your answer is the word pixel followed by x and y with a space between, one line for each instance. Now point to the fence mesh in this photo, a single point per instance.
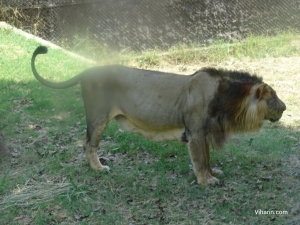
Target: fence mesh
pixel 145 24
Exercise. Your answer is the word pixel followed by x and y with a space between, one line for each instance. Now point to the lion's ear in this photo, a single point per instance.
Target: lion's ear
pixel 261 91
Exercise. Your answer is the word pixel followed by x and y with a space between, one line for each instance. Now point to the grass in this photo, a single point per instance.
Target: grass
pixel 47 179
pixel 253 47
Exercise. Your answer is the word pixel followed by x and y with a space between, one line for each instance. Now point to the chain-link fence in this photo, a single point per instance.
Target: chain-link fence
pixel 147 24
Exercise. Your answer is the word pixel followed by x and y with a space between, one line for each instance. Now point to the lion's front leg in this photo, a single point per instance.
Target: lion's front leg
pixel 200 156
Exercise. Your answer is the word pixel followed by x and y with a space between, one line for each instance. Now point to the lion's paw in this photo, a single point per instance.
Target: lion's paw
pixel 211 181
pixel 217 172
pixel 102 168
pixel 105 168
pixel 207 178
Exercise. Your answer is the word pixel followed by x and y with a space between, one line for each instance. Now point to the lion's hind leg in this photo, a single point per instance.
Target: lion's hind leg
pixel 91 142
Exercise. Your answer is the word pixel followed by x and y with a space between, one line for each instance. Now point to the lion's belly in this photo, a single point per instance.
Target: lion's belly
pixel 156 134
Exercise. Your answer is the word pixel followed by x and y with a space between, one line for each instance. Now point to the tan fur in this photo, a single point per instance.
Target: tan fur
pixel 251 112
pixel 200 110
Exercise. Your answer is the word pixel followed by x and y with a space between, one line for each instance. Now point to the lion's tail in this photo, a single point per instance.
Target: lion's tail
pixel 57 85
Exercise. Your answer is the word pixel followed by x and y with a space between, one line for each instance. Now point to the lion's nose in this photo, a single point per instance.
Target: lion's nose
pixel 282 107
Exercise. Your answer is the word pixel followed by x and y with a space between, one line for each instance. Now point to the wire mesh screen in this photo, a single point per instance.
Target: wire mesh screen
pixel 146 24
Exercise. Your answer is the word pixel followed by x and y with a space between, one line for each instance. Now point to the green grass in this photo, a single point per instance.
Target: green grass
pixel 47 180
pixel 253 47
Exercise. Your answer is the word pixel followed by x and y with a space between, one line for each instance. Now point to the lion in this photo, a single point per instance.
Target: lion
pixel 200 110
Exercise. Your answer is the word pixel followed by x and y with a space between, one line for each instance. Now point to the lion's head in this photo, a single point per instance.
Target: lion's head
pixel 260 103
pixel 275 106
pixel 241 103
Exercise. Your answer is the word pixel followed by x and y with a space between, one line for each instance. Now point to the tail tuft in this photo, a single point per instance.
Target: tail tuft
pixel 41 50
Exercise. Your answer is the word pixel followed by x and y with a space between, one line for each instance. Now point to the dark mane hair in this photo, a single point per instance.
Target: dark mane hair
pixel 228 110
pixel 232 75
